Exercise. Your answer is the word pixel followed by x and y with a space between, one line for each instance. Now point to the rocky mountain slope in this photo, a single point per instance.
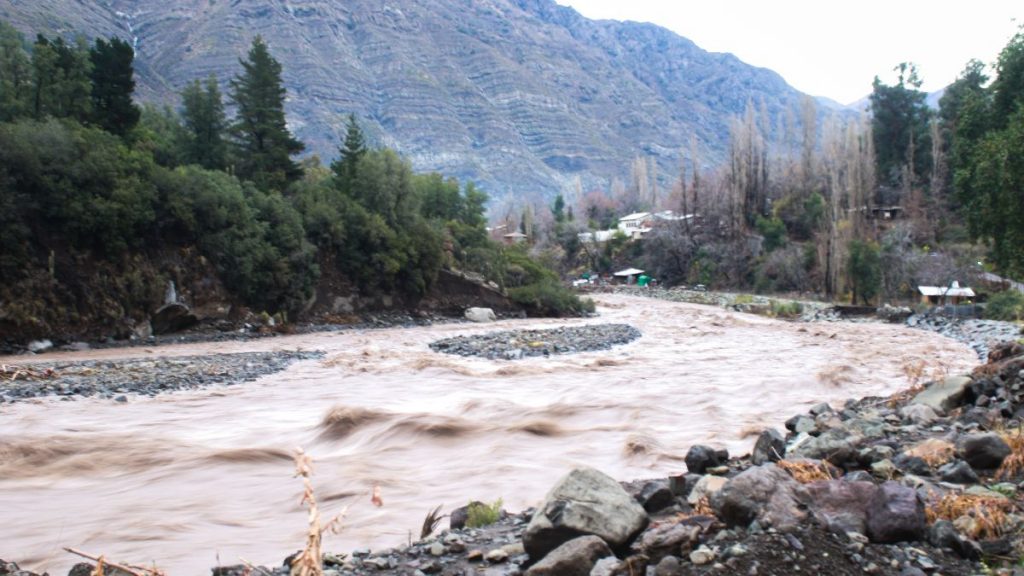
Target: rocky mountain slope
pixel 522 96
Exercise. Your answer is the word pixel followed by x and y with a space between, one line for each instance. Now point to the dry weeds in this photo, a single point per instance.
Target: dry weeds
pixel 309 562
pixel 989 514
pixel 102 563
pixel 1013 465
pixel 805 471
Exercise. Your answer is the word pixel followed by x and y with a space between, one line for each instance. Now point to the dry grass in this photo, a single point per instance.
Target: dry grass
pixel 309 562
pixel 1013 465
pixel 990 515
pixel 933 451
pixel 102 563
pixel 806 471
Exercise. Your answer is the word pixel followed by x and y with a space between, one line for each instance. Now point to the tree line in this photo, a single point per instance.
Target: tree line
pixel 85 170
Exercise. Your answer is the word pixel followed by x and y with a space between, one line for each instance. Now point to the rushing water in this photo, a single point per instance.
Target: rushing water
pixel 191 479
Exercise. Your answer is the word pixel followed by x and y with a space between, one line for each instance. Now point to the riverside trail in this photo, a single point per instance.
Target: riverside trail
pixel 193 478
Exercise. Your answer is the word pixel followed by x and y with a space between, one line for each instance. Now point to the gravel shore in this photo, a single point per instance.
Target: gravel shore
pixel 516 344
pixel 147 376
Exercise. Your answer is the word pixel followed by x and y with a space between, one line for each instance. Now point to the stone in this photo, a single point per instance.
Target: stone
pixel 655 496
pixel 944 395
pixel 839 505
pixel 819 409
pixel 943 534
pixel 496 556
pixel 457 518
pixel 576 557
pixel 883 469
pixel 584 502
pixel 668 566
pixel 667 539
pixel 705 488
pixel 837 446
pixel 920 414
pixel 702 555
pixel 876 453
pixel 770 447
pixel 984 451
pixel 958 472
pixel 699 458
pixel 437 549
pixel 895 514
pixel 610 566
pixel 801 424
pixel 172 317
pixel 912 465
pixel 480 315
pixel 682 484
pixel 763 493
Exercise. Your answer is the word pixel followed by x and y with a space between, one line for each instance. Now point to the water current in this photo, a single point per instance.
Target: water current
pixel 192 479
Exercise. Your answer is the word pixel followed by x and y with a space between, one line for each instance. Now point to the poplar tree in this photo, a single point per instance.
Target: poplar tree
pixel 263 143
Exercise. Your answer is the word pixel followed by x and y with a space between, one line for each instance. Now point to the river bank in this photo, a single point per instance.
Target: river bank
pixel 382 409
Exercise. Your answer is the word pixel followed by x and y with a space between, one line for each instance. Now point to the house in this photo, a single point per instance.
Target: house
pixel 514 238
pixel 635 225
pixel 629 275
pixel 940 295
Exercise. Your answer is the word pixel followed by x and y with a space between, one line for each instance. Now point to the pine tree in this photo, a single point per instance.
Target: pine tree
pixel 350 152
pixel 264 145
pixel 15 74
pixel 203 115
pixel 113 84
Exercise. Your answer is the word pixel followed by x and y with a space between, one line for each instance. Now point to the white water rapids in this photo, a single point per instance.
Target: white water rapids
pixel 192 479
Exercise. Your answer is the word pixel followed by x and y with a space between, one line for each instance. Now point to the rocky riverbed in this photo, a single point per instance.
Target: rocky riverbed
pixel 928 481
pixel 517 344
pixel 117 379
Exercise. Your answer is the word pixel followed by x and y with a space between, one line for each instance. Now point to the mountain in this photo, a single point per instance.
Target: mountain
pixel 522 96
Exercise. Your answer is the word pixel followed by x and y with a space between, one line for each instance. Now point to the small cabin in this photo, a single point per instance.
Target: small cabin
pixel 942 295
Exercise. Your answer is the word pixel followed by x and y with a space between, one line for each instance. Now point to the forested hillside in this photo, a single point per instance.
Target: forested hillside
pixel 103 203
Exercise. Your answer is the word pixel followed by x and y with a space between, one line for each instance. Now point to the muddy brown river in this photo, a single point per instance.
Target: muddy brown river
pixel 192 479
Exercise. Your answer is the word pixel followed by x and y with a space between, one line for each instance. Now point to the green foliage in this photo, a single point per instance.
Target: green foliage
pixel 202 113
pixel 1008 306
pixel 899 124
pixel 864 268
pixel 113 84
pixel 15 74
pixel 61 79
pixel 351 151
pixel 479 514
pixel 790 309
pixel 802 215
pixel 160 133
pixel 774 232
pixel 537 289
pixel 264 145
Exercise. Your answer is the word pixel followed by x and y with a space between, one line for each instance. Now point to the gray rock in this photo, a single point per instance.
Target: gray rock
pixel 836 446
pixel 839 505
pixel 655 496
pixel 944 395
pixel 706 487
pixel 943 534
pixel 576 557
pixel 958 472
pixel 667 539
pixel 770 447
pixel 920 414
pixel 668 566
pixel 763 493
pixel 699 458
pixel 682 484
pixel 37 346
pixel 702 555
pixel 584 502
pixel 983 451
pixel 801 424
pixel 610 566
pixel 480 315
pixel 895 514
pixel 172 317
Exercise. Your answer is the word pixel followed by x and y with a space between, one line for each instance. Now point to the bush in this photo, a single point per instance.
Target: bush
pixel 1008 305
pixel 479 514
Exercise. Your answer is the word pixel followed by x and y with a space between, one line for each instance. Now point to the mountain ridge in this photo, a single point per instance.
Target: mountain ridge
pixel 523 96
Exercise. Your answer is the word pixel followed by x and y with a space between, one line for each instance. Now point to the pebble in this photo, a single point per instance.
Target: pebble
pixel 518 344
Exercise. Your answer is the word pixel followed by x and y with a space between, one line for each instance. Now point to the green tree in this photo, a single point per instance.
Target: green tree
pixel 61 79
pixel 113 84
pixel 349 154
pixel 864 268
pixel 15 74
pixel 203 115
pixel 899 123
pixel 264 144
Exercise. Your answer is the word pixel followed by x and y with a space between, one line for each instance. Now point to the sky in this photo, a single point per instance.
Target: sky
pixel 833 49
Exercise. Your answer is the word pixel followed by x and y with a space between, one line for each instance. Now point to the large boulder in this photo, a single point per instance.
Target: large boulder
pixel 576 557
pixel 839 504
pixel 584 502
pixel 895 514
pixel 172 318
pixel 480 315
pixel 983 451
pixel 764 493
pixel 944 395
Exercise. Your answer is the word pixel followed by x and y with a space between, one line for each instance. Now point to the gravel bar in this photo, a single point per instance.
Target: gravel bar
pixel 517 344
pixel 148 376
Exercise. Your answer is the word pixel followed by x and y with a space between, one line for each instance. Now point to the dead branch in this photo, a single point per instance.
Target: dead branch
pixel 129 568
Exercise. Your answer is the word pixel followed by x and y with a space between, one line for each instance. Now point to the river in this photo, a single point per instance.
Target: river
pixel 194 479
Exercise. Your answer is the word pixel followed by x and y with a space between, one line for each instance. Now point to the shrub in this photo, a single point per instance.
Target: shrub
pixel 480 514
pixel 1008 305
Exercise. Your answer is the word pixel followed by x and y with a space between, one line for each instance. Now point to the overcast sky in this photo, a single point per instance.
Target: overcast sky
pixel 833 49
